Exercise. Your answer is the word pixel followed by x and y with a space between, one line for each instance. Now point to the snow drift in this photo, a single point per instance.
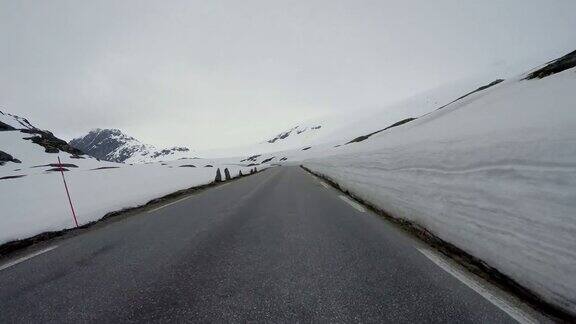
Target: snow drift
pixel 493 173
pixel 32 196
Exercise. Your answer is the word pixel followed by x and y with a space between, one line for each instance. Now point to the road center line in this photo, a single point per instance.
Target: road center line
pixel 509 308
pixel 24 258
pixel 172 203
pixel 352 203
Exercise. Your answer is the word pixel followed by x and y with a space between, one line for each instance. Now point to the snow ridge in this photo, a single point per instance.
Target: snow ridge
pixel 115 146
pixel 13 122
pixel 294 131
pixel 493 173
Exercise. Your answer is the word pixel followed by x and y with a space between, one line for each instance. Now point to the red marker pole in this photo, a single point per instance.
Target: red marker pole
pixel 67 192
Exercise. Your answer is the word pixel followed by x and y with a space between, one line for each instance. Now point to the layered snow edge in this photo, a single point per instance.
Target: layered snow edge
pixel 37 203
pixel 494 175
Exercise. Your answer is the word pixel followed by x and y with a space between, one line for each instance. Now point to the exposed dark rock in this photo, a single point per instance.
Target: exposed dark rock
pixel 12 177
pixel 251 158
pixel 105 167
pixel 337 145
pixel 22 121
pixel 252 164
pixel 76 157
pixel 307 148
pixel 169 151
pixel 6 127
pixel 240 173
pixel 58 169
pixel 5 157
pixel 282 135
pixel 51 143
pixel 484 87
pixel 404 121
pixel 218 176
pixel 208 166
pixel 55 165
pixel 407 120
pixel 227 174
pixel 566 62
pixel 286 134
pixel 66 165
pixel 114 146
pixel 187 166
pixel 365 137
pixel 106 144
pixel 267 160
pixel 284 159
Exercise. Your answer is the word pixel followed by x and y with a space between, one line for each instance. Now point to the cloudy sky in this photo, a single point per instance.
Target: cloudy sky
pixel 217 73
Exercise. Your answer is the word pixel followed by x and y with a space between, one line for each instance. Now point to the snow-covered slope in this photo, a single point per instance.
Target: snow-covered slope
pixel 300 133
pixel 12 122
pixel 115 146
pixel 26 148
pixel 32 196
pixel 493 173
pixel 340 128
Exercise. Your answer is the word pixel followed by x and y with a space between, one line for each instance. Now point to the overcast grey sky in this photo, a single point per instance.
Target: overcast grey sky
pixel 214 73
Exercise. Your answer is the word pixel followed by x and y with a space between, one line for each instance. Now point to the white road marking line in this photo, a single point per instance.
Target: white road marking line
pixel 24 258
pixel 516 313
pixel 324 185
pixel 172 203
pixel 352 203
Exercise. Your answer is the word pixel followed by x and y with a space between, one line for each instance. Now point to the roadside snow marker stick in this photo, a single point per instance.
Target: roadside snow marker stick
pixel 67 192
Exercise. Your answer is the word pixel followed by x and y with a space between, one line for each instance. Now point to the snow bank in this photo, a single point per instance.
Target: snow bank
pixel 37 203
pixel 33 199
pixel 494 174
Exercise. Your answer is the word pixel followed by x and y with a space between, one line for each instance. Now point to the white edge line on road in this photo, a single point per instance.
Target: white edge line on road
pixel 172 203
pixel 518 314
pixel 352 203
pixel 24 258
pixel 324 185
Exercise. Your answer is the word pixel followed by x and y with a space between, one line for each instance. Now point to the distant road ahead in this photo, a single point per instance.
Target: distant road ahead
pixel 276 247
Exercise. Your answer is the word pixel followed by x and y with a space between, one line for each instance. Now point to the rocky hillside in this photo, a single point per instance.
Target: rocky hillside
pixel 293 132
pixel 44 138
pixel 114 146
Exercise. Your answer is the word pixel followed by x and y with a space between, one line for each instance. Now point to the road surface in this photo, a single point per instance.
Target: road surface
pixel 278 246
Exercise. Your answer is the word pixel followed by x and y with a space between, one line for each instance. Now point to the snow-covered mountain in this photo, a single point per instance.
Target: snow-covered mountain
pixel 491 170
pixel 33 199
pixel 341 128
pixel 27 151
pixel 298 131
pixel 23 143
pixel 115 146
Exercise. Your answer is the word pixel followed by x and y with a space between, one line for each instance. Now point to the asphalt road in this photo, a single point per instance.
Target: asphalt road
pixel 274 247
